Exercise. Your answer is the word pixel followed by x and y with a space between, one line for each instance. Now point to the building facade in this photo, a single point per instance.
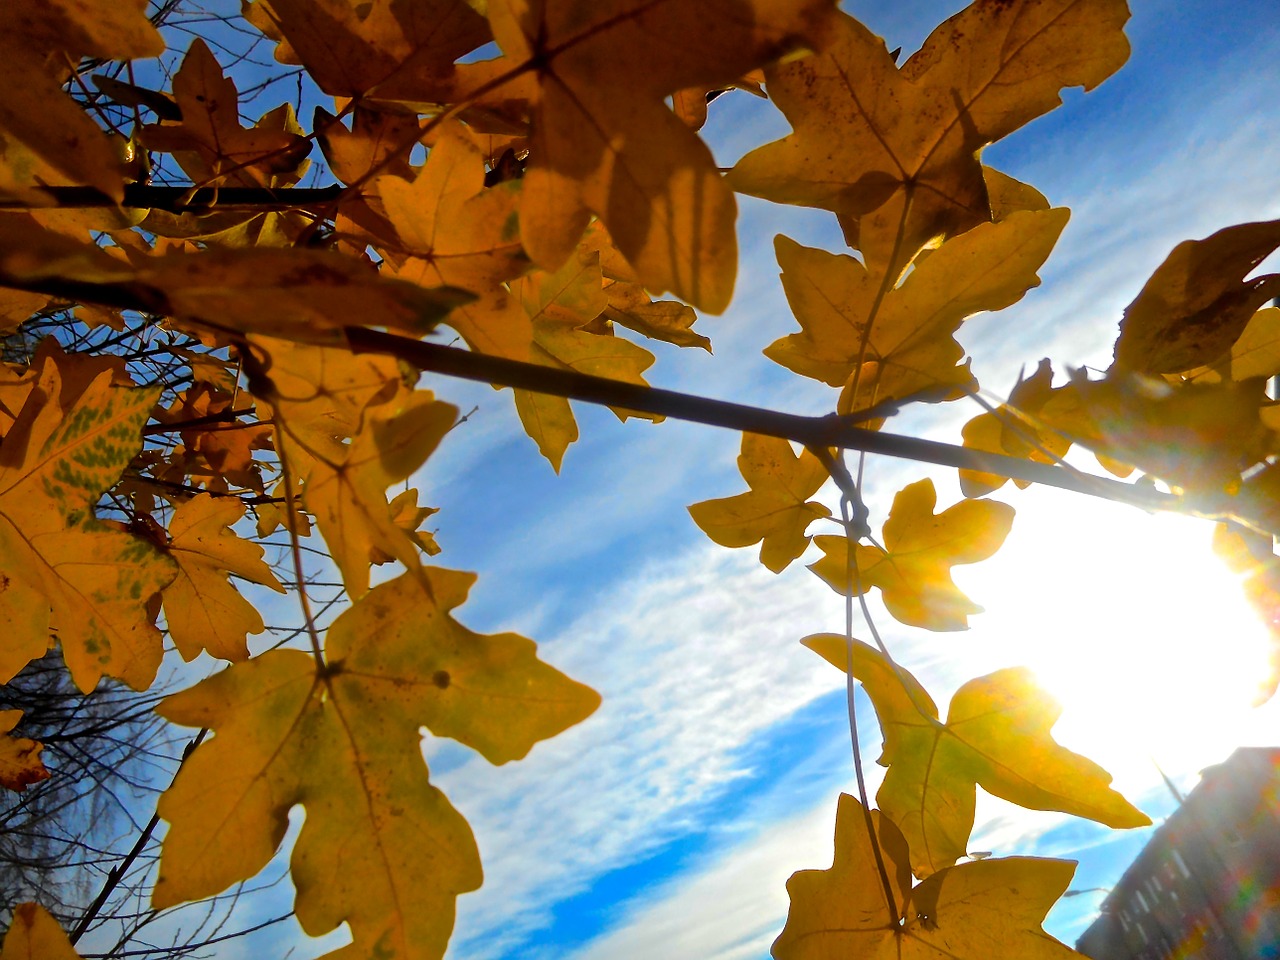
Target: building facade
pixel 1207 884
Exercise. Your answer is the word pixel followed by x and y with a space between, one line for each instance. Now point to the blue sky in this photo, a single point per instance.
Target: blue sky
pixel 667 824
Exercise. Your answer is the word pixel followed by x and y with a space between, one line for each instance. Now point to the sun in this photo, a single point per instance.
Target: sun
pixel 1134 625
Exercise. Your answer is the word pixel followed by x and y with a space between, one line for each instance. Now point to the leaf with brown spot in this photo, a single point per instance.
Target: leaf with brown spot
pixel 381 848
pixel 1198 301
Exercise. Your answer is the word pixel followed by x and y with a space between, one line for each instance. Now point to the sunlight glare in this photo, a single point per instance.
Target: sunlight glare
pixel 1137 628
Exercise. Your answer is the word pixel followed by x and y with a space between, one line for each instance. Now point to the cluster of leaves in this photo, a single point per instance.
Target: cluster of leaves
pixel 564 183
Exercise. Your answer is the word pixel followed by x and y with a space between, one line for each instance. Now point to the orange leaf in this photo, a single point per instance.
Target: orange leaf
pixel 20 763
pixel 605 142
pixel 66 574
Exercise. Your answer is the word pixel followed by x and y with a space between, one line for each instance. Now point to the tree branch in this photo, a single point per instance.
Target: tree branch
pixel 187 199
pixel 828 431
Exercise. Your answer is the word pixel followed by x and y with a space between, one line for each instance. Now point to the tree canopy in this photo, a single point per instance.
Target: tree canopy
pixel 227 358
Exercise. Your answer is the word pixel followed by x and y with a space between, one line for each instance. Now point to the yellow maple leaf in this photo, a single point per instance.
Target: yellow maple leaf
pixel 383 49
pixel 560 306
pixel 890 346
pixel 381 848
pixel 1196 436
pixel 776 510
pixel 345 488
pixel 1015 430
pixel 38 44
pixel 895 151
pixel 987 910
pixel 1198 301
pixel 458 231
pixel 376 139
pixel 209 141
pixel 913 569
pixel 604 140
pixel 201 607
pixel 66 574
pixel 996 736
pixel 35 935
pixel 20 763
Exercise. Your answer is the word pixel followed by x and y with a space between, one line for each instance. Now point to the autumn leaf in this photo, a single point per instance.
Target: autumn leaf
pixel 209 141
pixel 67 575
pixel 1251 556
pixel 996 736
pixel 458 231
pixel 1195 436
pixel 604 141
pixel 986 910
pixel 559 307
pixel 376 139
pixel 45 136
pixel 20 763
pixel 383 49
pixel 309 295
pixel 776 511
pixel 895 151
pixel 890 346
pixel 1257 352
pixel 34 935
pixel 202 609
pixel 1014 430
pixel 381 848
pixel 1198 301
pixel 345 488
pixel 913 569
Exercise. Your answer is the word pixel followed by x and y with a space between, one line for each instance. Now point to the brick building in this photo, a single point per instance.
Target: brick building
pixel 1207 884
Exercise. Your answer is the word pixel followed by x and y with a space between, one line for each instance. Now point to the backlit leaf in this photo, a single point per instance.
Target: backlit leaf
pixel 605 142
pixel 913 569
pixel 776 510
pixel 1198 301
pixel 888 346
pixel 988 910
pixel 996 736
pixel 1015 430
pixel 66 575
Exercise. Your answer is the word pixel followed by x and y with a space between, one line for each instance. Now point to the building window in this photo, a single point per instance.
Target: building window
pixel 1142 901
pixel 1181 864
